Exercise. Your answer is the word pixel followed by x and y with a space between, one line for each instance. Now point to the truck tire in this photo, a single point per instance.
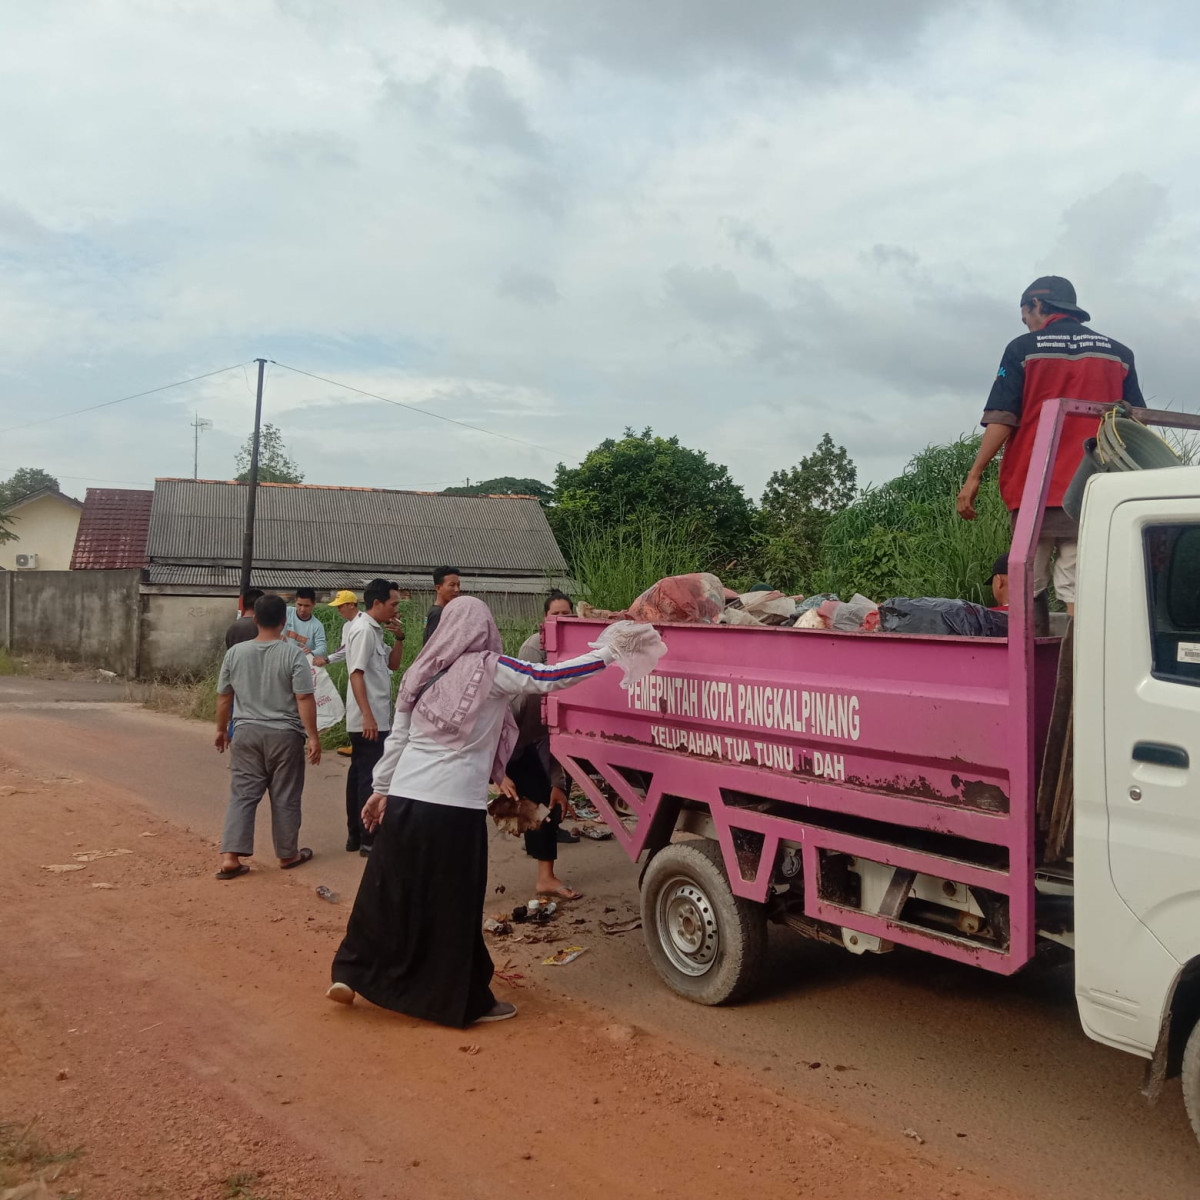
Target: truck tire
pixel 706 943
pixel 1190 1078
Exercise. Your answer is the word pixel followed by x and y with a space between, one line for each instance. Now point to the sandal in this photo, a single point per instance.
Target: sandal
pixel 234 872
pixel 304 856
pixel 563 893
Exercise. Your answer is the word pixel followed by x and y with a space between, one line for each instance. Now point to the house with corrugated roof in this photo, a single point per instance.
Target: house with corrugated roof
pixel 328 538
pixel 157 575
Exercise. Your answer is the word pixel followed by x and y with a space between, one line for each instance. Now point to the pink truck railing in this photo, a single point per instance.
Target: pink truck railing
pixel 918 753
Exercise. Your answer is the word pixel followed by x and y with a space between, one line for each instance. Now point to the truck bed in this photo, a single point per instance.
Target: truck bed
pixel 846 757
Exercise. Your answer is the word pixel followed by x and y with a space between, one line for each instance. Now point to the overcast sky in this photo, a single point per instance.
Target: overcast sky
pixel 742 224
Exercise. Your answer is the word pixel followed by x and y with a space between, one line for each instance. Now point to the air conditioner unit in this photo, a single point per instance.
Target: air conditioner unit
pixel 26 562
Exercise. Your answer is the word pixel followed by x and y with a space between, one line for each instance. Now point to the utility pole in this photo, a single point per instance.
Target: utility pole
pixel 199 425
pixel 252 495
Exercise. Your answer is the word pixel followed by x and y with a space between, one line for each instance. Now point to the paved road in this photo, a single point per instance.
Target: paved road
pixel 992 1072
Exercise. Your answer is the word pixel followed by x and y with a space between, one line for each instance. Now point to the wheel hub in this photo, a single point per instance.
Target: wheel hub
pixel 687 927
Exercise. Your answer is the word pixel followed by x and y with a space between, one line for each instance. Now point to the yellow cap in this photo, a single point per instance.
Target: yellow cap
pixel 343 597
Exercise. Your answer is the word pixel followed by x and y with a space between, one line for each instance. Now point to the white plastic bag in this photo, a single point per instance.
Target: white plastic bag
pixel 330 708
pixel 636 648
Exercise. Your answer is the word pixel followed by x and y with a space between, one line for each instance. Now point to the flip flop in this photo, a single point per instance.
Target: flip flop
pixel 563 893
pixel 305 855
pixel 234 872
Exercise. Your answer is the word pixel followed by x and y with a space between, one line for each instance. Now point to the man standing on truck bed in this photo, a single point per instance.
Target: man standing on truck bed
pixel 1059 357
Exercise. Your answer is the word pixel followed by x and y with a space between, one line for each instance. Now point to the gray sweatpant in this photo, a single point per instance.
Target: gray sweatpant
pixel 264 759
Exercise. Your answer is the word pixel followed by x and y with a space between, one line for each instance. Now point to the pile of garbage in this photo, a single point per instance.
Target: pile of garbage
pixel 701 598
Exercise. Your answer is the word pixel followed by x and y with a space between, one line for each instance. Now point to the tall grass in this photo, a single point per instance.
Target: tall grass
pixel 615 564
pixel 905 538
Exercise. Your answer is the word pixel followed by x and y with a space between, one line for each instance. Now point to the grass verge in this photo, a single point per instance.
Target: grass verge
pixel 24 1156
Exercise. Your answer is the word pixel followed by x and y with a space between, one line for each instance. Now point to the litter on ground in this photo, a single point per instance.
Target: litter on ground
pixel 567 954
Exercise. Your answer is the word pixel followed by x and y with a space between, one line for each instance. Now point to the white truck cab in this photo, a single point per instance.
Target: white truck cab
pixel 1137 796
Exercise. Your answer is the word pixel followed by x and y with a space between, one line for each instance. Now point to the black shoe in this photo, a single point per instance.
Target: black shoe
pixel 352 843
pixel 365 850
pixel 565 835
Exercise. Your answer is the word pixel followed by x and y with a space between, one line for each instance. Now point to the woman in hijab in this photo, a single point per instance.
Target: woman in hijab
pixel 414 942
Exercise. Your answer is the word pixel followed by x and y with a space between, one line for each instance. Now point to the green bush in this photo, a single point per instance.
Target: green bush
pixel 614 564
pixel 905 538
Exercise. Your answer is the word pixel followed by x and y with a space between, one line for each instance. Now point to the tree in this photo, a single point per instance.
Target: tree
pixel 643 477
pixel 505 485
pixel 274 463
pixel 796 509
pixel 25 482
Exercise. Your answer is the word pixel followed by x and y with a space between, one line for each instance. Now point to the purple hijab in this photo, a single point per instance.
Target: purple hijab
pixel 452 676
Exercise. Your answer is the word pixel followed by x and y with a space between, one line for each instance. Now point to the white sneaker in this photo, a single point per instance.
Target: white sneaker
pixel 500 1011
pixel 342 993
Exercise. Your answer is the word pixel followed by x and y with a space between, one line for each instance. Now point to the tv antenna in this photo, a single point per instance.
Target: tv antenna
pixel 199 425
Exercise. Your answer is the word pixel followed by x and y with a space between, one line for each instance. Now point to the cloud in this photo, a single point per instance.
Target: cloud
pixel 529 287
pixel 306 150
pixel 690 35
pixel 743 226
pixel 495 117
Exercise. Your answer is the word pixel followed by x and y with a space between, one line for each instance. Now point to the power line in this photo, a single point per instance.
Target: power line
pixel 96 479
pixel 413 408
pixel 120 399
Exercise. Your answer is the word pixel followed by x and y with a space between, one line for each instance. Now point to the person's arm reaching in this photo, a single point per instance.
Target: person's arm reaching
pixel 515 677
pixel 1001 415
pixel 319 644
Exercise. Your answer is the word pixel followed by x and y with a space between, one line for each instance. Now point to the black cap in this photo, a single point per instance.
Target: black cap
pixel 1055 291
pixel 999 567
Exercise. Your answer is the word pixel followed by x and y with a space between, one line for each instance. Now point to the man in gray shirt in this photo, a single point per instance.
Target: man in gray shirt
pixel 267 686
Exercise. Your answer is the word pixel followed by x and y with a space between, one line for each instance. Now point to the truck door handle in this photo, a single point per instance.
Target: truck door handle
pixel 1160 754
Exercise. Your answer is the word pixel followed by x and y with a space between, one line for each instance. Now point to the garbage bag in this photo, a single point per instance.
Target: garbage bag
pixel 693 598
pixel 855 614
pixel 738 616
pixel 330 707
pixel 852 616
pixel 816 601
pixel 636 648
pixel 768 604
pixel 932 615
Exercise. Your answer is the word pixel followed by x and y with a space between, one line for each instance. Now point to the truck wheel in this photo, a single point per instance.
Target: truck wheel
pixel 707 943
pixel 1190 1078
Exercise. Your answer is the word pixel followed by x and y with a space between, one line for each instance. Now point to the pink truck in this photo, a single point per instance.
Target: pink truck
pixel 975 798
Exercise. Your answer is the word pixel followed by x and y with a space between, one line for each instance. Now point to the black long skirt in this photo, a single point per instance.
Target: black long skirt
pixel 414 942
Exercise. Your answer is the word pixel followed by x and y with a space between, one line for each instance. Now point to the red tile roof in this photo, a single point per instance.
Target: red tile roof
pixel 113 529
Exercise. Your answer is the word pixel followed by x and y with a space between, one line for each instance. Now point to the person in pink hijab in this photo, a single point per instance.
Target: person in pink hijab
pixel 414 942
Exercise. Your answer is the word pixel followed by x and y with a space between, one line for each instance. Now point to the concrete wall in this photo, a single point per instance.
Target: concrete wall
pixel 184 634
pixel 107 619
pixel 82 616
pixel 45 527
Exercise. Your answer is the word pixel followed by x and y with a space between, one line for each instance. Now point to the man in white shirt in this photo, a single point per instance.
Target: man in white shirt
pixel 369 697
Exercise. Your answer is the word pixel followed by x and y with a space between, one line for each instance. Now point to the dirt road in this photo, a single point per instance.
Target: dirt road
pixel 187 1020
